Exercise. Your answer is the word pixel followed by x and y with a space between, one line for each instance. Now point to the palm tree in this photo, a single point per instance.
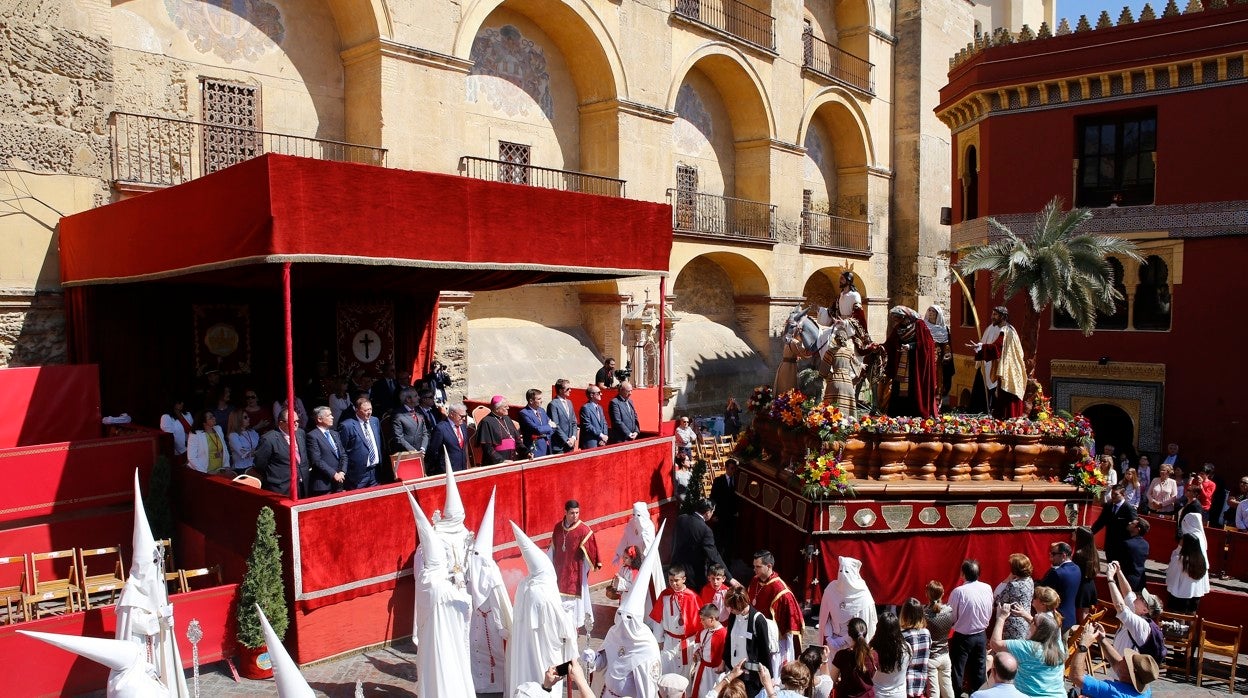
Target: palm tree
pixel 1054 266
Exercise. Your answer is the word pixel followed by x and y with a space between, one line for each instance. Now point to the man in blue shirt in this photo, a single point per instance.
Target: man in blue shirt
pixel 1140 669
pixel 1064 578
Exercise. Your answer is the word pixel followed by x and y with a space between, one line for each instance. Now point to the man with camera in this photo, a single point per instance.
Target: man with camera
pixel 438 379
pixel 605 378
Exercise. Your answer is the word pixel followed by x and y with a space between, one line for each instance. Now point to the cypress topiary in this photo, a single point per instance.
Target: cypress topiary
pixel 697 487
pixel 262 584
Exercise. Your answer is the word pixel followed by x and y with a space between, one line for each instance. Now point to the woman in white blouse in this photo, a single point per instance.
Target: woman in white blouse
pixel 243 441
pixel 1187 577
pixel 1163 492
pixel 206 448
pixel 177 422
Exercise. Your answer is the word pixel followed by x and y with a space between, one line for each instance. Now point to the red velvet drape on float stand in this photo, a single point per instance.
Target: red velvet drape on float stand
pixel 897 567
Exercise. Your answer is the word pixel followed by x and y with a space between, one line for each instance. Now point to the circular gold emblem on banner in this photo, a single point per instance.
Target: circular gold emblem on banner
pixel 929 516
pixel 1049 514
pixel 864 518
pixel 990 515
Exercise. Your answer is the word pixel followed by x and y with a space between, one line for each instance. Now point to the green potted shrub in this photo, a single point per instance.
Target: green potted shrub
pixel 263 586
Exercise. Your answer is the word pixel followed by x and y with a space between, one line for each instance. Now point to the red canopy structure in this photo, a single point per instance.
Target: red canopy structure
pixel 323 230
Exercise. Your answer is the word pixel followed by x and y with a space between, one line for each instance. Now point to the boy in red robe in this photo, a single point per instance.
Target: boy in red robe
pixel 574 551
pixel 710 641
pixel 716 590
pixel 676 611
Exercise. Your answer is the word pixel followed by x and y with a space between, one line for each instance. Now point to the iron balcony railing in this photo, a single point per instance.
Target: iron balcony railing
pixel 159 151
pixel 733 17
pixel 544 177
pixel 836 63
pixel 835 232
pixel 695 212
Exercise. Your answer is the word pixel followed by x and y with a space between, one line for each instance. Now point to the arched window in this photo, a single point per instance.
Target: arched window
pixel 970 185
pixel 1118 319
pixel 1152 295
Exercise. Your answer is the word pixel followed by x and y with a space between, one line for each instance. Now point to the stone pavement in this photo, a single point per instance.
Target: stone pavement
pixel 390 671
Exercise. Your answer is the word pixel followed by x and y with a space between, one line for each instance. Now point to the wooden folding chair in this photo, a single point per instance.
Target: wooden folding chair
pixel 706 446
pixel 167 545
pixel 12 593
pixel 212 573
pixel 56 585
pixel 110 582
pixel 1220 640
pixel 174 578
pixel 1180 646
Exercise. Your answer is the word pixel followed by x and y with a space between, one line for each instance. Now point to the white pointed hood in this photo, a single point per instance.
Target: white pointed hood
pixel 634 601
pixel 536 559
pixel 453 516
pixel 430 545
pixel 145 562
pixel 290 683
pixel 117 655
pixel 484 541
pixel 849 576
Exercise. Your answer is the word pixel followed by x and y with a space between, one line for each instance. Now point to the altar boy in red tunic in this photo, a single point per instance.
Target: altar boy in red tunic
pixel 710 650
pixel 573 550
pixel 770 596
pixel 716 591
pixel 676 611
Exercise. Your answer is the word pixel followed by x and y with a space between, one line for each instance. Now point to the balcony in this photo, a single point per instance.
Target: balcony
pixel 732 17
pixel 544 177
pixel 721 216
pixel 836 233
pixel 153 151
pixel 822 58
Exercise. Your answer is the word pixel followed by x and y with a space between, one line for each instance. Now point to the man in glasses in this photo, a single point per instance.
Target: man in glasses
pixel 593 422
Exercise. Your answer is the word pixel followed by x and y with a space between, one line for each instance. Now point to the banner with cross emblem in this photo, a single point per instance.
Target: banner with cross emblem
pixel 365 337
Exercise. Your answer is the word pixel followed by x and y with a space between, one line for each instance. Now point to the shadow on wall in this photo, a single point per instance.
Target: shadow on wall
pixel 508 360
pixel 714 363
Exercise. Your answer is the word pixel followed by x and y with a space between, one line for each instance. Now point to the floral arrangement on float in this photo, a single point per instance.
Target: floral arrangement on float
pixel 760 399
pixel 830 424
pixel 788 410
pixel 822 476
pixel 1086 476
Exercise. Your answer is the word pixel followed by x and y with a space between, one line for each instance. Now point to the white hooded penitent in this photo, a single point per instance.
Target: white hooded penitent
pixel 290 682
pixel 128 676
pixel 542 635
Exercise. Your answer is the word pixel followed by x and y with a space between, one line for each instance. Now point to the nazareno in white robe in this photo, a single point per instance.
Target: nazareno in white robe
pixel 845 598
pixel 542 635
pixel 491 610
pixel 443 606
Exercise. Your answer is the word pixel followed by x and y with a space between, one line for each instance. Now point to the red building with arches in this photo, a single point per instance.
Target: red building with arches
pixel 1141 123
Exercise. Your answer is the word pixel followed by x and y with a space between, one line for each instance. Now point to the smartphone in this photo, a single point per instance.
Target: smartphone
pixel 562 669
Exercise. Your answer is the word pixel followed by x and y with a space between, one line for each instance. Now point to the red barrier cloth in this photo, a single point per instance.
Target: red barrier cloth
pixel 282 208
pixel 531 493
pixel 34 668
pixel 65 477
pixel 49 404
pixel 1237 556
pixel 898 566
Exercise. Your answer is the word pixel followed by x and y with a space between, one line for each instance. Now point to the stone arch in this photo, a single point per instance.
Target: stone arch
pixel 854 13
pixel 738 84
pixel 360 21
pixel 746 276
pixel 845 120
pixel 591 52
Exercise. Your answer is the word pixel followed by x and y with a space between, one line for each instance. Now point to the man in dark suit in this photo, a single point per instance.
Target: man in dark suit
pixel 693 547
pixel 273 458
pixel 408 431
pixel 385 392
pixel 449 440
pixel 326 456
pixel 429 410
pixel 1136 548
pixel 561 412
pixel 727 507
pixel 361 438
pixel 535 425
pixel 1114 518
pixel 623 416
pixel 593 423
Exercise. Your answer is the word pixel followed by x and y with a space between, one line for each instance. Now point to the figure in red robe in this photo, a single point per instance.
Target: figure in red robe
pixel 1001 381
pixel 710 650
pixel 676 612
pixel 913 386
pixel 573 551
pixel 770 596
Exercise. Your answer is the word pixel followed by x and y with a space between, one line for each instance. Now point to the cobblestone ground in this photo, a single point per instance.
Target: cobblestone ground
pixel 390 671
